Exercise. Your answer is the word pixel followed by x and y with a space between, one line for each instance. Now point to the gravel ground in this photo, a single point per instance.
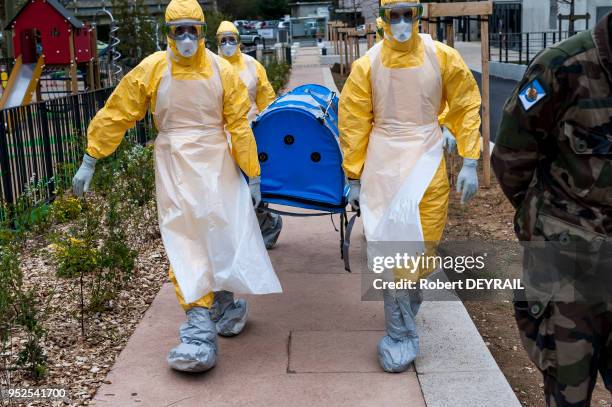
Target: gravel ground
pixel 80 364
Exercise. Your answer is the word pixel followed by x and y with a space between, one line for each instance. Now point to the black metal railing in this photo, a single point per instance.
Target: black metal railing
pixel 38 140
pixel 522 48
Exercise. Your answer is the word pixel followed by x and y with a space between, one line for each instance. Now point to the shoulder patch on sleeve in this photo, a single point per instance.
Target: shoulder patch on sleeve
pixel 531 94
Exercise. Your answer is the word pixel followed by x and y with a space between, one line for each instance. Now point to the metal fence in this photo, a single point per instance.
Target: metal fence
pixel 39 140
pixel 522 48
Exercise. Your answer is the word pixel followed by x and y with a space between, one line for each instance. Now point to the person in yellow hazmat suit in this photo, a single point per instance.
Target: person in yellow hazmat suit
pixel 229 314
pixel 261 95
pixel 393 150
pixel 204 203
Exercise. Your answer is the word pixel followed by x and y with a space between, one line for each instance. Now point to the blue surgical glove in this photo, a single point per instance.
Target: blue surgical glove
pixel 83 177
pixel 255 187
pixel 449 143
pixel 467 182
pixel 354 191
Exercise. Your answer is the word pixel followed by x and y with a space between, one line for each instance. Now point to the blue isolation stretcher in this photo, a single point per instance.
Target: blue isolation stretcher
pixel 300 157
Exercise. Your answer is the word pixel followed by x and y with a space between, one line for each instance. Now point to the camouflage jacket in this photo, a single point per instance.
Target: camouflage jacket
pixel 553 153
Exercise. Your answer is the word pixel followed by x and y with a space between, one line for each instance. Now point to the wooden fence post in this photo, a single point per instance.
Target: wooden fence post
pixel 486 127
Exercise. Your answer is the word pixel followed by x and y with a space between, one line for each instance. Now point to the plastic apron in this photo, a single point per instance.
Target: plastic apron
pixel 206 217
pixel 250 79
pixel 405 147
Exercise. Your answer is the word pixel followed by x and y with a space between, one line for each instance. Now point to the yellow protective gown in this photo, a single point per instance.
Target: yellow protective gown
pixel 252 73
pixel 459 92
pixel 192 100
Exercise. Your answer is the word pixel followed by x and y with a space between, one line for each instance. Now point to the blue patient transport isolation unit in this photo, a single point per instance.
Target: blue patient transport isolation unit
pixel 300 156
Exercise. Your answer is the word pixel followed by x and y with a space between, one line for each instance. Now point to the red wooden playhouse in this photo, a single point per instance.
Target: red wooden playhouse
pixel 46 35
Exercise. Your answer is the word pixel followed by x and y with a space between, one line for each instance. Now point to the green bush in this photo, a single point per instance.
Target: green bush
pixel 138 174
pixel 18 309
pixel 130 174
pixel 63 178
pixel 278 74
pixel 31 356
pixel 30 212
pixel 74 256
pixel 65 208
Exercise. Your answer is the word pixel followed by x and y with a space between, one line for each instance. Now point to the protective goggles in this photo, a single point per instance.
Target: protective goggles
pixel 395 13
pixel 228 38
pixel 181 30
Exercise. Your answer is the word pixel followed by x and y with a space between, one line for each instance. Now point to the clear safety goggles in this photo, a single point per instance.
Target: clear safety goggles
pixel 181 30
pixel 395 13
pixel 228 38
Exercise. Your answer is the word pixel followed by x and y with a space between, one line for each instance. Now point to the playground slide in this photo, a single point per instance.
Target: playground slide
pixel 21 84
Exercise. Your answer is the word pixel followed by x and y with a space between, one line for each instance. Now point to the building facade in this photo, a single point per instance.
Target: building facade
pixel 300 9
pixel 366 9
pixel 91 9
pixel 542 15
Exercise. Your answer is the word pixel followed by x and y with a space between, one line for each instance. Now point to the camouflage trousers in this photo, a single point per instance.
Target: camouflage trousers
pixel 570 343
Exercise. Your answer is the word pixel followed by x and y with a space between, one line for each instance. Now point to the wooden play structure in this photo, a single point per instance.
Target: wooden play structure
pixel 346 40
pixel 46 36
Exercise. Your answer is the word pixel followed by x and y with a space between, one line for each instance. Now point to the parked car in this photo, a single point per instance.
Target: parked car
pixel 241 23
pixel 249 37
pixel 284 24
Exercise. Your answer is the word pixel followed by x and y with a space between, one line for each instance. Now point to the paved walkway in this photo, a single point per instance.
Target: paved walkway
pixel 313 345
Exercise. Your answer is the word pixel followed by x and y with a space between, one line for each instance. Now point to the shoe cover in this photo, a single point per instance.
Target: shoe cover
pixel 230 316
pixel 400 347
pixel 271 225
pixel 198 349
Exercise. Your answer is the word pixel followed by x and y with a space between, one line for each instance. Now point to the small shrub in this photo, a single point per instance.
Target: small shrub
pixel 65 209
pixel 138 173
pixel 63 178
pixel 31 212
pixel 31 356
pixel 18 308
pixel 74 256
pixel 278 74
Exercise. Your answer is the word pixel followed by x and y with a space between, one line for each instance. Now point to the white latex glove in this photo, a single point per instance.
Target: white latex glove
pixel 449 143
pixel 255 187
pixel 467 182
pixel 354 191
pixel 83 177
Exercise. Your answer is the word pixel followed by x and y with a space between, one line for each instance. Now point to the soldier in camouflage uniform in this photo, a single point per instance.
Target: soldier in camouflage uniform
pixel 553 159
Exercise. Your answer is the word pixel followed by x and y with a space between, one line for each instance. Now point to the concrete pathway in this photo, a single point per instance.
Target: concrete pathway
pixel 313 345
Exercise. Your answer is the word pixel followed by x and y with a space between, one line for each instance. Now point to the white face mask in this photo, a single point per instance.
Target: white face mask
pixel 402 31
pixel 229 49
pixel 187 47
